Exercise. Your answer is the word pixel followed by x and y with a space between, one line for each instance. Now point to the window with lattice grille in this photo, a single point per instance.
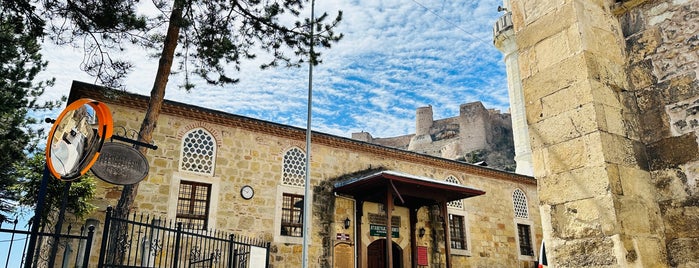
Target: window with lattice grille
pixel 524 234
pixel 193 204
pixel 292 215
pixel 520 203
pixel 198 152
pixel 457 232
pixel 456 203
pixel 294 168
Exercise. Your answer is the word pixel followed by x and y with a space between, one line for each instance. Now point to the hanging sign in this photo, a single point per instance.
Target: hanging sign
pixel 120 164
pixel 76 138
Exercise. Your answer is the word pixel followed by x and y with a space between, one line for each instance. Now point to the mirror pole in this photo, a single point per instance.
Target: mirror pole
pixel 59 223
pixel 31 249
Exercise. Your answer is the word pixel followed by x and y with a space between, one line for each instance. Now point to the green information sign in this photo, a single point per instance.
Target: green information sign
pixel 380 230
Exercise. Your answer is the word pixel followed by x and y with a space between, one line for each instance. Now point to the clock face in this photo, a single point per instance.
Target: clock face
pixel 247 192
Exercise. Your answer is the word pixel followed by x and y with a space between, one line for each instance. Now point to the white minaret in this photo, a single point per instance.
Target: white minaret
pixel 504 40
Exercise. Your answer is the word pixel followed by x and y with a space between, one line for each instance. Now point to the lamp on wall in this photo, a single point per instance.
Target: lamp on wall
pixel 421 232
pixel 347 223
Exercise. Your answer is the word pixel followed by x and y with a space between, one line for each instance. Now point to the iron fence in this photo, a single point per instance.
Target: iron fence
pixel 56 249
pixel 142 241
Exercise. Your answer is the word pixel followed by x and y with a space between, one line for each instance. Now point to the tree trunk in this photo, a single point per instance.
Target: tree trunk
pixel 157 96
pixel 155 103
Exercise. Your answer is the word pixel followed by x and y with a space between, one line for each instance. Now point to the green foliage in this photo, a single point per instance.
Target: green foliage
pixel 80 193
pixel 20 62
pixel 213 35
pixel 475 156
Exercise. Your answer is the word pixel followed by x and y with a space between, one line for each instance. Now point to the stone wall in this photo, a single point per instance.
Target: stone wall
pixel 597 200
pixel 662 42
pixel 610 89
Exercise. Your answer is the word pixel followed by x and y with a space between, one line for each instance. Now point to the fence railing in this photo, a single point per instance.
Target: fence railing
pixel 56 249
pixel 142 241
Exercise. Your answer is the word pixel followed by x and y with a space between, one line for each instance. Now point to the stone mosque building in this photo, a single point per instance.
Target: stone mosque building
pixel 249 178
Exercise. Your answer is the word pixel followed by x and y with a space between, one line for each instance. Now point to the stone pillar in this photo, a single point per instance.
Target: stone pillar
pixel 595 193
pixel 504 40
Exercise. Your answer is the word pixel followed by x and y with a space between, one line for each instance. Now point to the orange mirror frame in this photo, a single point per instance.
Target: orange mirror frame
pixel 76 138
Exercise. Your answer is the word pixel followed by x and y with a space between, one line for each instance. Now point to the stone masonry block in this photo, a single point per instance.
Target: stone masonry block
pixel 681 218
pixel 632 124
pixel 669 184
pixel 565 156
pixel 594 13
pixel 684 116
pixel 564 126
pixel 683 252
pixel 567 73
pixel 533 111
pixel 540 24
pixel 655 127
pixel 636 182
pixel 606 94
pixel 604 42
pixel 673 151
pixel 647 252
pixel 620 150
pixel 556 48
pixel 527 63
pixel 641 75
pixel 614 179
pixel 607 71
pixel 643 45
pixel 534 11
pixel 583 219
pixel 632 22
pixel 560 101
pixel 611 119
pixel 649 100
pixel 582 183
pixel 680 88
pixel 633 215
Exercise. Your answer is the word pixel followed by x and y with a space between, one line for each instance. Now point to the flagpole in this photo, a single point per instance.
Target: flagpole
pixel 307 194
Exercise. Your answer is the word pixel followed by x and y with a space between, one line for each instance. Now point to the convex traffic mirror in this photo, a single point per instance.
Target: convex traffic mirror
pixel 76 138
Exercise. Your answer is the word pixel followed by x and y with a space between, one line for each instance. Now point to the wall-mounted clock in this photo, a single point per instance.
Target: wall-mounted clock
pixel 247 192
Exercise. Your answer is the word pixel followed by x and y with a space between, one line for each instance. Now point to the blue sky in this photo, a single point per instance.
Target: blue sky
pixel 397 55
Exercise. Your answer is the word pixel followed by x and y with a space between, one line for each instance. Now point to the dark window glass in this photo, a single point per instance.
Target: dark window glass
pixel 525 240
pixel 193 204
pixel 457 232
pixel 292 215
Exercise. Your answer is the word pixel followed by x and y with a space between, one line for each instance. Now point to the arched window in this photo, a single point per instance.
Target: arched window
pixel 294 168
pixel 456 203
pixel 198 152
pixel 520 203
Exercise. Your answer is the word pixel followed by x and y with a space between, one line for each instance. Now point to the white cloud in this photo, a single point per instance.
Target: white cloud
pixel 396 56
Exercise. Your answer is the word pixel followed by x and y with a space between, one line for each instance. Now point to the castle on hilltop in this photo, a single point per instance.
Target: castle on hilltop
pixel 476 135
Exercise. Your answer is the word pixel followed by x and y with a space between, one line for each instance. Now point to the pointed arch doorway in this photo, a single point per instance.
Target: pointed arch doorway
pixel 376 254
